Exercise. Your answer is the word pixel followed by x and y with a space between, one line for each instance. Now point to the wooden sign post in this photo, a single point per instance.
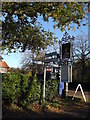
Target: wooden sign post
pixel 44 84
pixel 66 53
pixel 0 96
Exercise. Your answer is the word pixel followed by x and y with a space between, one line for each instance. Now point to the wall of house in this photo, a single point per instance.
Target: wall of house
pixel 3 70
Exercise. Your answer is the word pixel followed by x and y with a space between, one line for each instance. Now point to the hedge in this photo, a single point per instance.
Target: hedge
pixel 51 89
pixel 22 89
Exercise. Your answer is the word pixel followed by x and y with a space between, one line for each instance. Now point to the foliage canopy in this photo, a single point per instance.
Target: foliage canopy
pixel 22 30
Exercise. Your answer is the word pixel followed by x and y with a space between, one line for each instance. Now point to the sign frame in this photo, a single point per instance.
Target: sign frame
pixel 66 51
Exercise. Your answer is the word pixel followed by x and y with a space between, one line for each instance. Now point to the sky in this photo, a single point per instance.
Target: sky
pixel 14 59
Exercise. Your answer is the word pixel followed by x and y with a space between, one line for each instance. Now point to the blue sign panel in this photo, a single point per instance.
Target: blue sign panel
pixel 61 87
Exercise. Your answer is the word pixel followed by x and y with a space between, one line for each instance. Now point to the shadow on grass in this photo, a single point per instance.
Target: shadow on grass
pixel 28 114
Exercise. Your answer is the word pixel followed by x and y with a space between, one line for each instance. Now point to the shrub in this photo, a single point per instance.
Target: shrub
pixel 34 92
pixel 51 89
pixel 19 88
pixel 10 87
pixel 23 89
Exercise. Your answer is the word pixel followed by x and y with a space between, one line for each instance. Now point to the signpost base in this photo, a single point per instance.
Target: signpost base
pixel 65 90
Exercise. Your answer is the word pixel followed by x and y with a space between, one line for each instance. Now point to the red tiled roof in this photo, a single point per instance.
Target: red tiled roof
pixel 3 64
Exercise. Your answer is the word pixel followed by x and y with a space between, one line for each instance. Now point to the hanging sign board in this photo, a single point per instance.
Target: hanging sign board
pixel 51 60
pixel 66 73
pixel 51 54
pixel 51 57
pixel 66 50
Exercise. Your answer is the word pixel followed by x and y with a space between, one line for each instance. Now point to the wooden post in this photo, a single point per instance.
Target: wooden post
pixel 65 90
pixel 60 79
pixel 0 96
pixel 44 84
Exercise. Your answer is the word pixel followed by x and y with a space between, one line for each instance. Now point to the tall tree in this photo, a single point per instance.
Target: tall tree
pixel 81 53
pixel 29 61
pixel 21 29
pixel 81 48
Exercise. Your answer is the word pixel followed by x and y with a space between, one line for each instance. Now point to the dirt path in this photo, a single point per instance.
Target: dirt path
pixel 71 111
pixel 79 95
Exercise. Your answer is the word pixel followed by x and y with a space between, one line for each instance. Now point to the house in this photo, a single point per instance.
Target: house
pixel 3 66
